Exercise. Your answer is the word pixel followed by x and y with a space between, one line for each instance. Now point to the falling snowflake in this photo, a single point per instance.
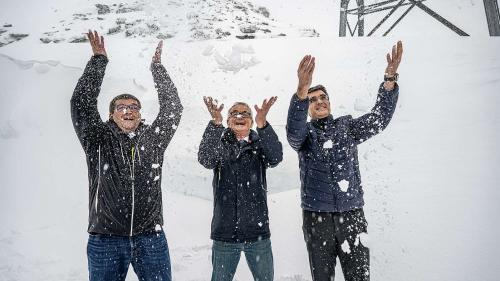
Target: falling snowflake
pixel 328 144
pixel 345 247
pixel 344 185
pixel 363 239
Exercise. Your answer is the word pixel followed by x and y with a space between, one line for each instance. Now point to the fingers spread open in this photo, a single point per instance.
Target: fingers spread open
pixel 269 103
pixel 210 104
pixel 303 62
pixel 205 100
pixel 264 103
pixel 400 50
pixel 311 66
pixel 273 100
pixel 159 49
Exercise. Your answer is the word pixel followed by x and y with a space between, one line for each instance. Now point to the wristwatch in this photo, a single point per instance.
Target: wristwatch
pixel 392 78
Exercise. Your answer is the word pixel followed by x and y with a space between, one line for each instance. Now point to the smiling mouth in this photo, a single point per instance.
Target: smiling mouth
pixel 128 118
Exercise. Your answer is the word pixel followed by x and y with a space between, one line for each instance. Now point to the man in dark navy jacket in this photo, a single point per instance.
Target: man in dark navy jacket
pixel 239 158
pixel 334 224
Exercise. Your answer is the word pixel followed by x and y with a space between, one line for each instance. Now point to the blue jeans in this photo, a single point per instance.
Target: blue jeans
pixel 259 256
pixel 109 257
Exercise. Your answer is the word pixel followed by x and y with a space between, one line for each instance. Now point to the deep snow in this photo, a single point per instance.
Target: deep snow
pixel 430 179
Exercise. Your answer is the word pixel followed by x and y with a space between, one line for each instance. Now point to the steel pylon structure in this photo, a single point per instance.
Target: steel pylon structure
pixel 391 6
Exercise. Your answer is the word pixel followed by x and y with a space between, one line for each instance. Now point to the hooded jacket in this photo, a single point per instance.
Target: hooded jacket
pixel 328 153
pixel 124 170
pixel 239 184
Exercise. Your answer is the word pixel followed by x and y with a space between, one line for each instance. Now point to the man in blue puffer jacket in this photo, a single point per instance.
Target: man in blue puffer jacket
pixel 332 196
pixel 239 158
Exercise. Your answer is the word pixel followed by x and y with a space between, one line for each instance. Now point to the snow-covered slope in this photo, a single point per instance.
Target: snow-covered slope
pixel 430 179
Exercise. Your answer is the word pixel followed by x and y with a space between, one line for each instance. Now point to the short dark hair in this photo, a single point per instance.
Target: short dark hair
pixel 121 97
pixel 317 87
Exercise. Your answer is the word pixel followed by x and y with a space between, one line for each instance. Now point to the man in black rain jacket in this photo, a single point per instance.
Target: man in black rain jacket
pixel 124 158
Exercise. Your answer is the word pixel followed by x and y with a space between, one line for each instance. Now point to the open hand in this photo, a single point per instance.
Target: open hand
pixel 260 117
pixel 97 43
pixel 214 109
pixel 394 59
pixel 304 73
pixel 157 55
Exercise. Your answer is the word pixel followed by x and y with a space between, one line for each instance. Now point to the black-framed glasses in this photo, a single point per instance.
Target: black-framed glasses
pixel 131 107
pixel 322 97
pixel 242 114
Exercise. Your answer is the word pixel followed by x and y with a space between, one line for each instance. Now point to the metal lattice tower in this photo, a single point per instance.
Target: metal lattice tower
pixel 391 6
pixel 492 17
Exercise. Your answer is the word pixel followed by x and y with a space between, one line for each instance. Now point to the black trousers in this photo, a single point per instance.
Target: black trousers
pixel 332 235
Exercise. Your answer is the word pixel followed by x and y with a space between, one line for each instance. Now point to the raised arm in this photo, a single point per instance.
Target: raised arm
pixel 372 123
pixel 272 150
pixel 168 118
pixel 210 147
pixel 296 129
pixel 84 114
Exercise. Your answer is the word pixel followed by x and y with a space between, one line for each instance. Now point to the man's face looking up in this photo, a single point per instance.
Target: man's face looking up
pixel 319 104
pixel 127 115
pixel 240 120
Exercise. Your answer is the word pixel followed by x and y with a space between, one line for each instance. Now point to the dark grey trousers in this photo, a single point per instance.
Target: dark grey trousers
pixel 332 235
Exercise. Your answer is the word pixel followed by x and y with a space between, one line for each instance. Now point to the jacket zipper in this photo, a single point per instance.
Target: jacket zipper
pixel 262 177
pixel 218 180
pixel 98 177
pixel 132 173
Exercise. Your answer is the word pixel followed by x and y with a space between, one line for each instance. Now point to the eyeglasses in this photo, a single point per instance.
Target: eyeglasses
pixel 322 97
pixel 243 114
pixel 131 107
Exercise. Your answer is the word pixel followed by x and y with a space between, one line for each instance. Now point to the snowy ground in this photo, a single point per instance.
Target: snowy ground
pixel 430 180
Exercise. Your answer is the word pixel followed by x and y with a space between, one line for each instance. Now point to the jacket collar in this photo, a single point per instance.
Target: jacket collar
pixel 117 132
pixel 229 136
pixel 323 123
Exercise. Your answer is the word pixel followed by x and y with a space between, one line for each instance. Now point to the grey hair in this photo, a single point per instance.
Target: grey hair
pixel 240 103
